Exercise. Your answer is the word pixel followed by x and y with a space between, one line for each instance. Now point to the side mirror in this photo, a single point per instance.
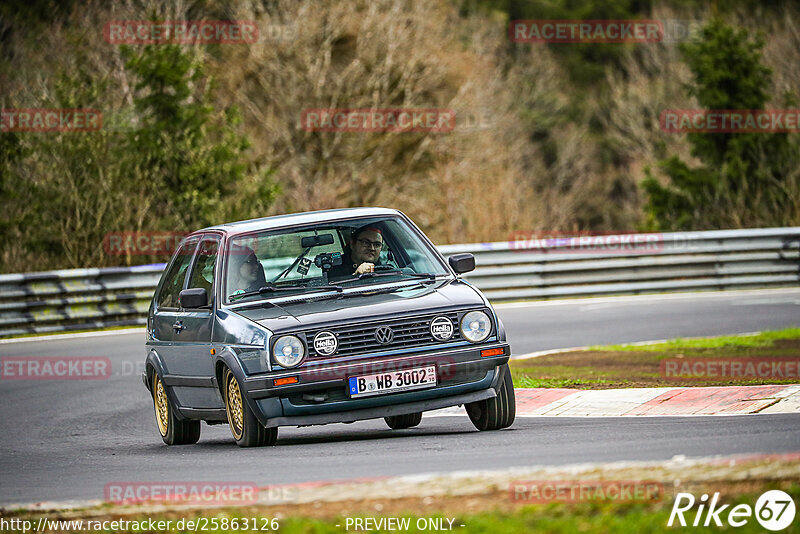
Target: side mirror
pixel 193 298
pixel 462 263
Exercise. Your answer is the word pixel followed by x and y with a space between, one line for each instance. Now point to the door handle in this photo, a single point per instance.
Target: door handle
pixel 177 326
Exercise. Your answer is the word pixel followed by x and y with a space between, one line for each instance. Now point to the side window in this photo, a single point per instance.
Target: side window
pixel 173 281
pixel 203 268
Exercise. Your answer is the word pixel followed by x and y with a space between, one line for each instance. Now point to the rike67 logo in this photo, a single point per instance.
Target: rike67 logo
pixel 774 510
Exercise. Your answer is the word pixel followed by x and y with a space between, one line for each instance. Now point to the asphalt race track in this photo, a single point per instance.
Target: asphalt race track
pixel 65 440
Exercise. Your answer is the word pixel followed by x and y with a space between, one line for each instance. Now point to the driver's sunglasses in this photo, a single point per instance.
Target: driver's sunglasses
pixel 368 243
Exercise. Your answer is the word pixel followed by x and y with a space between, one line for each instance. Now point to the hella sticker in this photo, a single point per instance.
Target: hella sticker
pixel 325 343
pixel 442 328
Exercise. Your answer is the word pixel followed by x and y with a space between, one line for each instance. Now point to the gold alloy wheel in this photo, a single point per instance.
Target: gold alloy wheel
pixel 162 406
pixel 234 407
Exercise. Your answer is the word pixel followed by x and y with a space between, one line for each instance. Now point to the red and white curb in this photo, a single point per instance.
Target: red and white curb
pixel 725 400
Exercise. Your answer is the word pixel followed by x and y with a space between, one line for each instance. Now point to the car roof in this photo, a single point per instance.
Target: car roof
pixel 292 219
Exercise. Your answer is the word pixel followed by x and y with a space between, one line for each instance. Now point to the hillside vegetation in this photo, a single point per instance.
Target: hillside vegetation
pixel 548 137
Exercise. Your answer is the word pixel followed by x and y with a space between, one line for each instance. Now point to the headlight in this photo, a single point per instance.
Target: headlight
pixel 288 351
pixel 476 326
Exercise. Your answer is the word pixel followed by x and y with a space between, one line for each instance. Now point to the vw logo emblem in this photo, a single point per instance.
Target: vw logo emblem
pixel 384 335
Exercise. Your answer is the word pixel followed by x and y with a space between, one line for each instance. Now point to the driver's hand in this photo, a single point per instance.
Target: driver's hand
pixel 365 267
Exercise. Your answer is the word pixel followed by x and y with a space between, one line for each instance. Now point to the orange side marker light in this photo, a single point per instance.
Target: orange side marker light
pixel 284 381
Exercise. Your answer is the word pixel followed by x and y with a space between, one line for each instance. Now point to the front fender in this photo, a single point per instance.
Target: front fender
pixel 227 358
pixel 154 364
pixel 501 328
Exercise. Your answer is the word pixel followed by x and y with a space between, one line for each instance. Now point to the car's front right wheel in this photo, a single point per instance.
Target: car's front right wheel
pixel 174 431
pixel 498 412
pixel 398 422
pixel 245 427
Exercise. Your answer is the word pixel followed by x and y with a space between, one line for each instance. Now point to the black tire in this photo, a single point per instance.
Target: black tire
pixel 245 427
pixel 173 431
pixel 398 422
pixel 496 413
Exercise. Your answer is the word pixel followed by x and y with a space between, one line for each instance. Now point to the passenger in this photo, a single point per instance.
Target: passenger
pixel 361 254
pixel 246 272
pixel 203 271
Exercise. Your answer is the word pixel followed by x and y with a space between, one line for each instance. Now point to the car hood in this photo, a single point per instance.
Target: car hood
pixel 439 296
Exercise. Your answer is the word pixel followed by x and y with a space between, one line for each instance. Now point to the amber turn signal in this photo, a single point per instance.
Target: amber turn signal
pixel 284 381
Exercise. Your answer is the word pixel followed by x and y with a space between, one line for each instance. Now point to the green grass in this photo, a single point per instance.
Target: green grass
pixel 525 381
pixel 762 339
pixel 625 366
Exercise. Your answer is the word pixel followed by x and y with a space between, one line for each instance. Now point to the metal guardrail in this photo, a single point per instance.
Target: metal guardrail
pixel 75 299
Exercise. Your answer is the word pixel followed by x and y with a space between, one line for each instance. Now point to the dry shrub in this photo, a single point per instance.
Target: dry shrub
pixel 653 79
pixel 480 182
pixel 782 54
pixel 470 184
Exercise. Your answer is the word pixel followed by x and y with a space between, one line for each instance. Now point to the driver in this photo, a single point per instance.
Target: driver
pixel 361 254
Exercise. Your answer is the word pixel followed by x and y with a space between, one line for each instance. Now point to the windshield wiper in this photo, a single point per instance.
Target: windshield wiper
pixel 333 287
pixel 429 276
pixel 373 290
pixel 394 272
pixel 272 288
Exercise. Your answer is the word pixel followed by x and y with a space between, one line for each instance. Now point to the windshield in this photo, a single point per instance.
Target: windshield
pixel 326 255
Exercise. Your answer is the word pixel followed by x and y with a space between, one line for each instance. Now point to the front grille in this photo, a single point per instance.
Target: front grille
pixel 360 339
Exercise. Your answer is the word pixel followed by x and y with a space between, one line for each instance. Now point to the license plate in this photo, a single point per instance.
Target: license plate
pixel 389 382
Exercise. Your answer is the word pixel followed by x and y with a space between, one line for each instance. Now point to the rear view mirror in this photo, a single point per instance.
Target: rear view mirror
pixel 193 298
pixel 316 240
pixel 462 263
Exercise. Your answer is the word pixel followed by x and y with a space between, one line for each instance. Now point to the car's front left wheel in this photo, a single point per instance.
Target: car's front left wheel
pixel 498 412
pixel 173 431
pixel 245 427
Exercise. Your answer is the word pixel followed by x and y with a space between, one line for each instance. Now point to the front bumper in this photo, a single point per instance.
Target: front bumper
pixel 321 394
